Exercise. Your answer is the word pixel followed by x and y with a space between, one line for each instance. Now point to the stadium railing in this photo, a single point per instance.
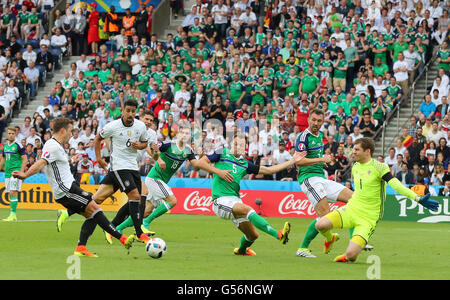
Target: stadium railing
pixel 161 18
pixel 396 110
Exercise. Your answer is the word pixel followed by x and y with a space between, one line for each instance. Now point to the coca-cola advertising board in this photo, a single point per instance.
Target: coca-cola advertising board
pixel 292 204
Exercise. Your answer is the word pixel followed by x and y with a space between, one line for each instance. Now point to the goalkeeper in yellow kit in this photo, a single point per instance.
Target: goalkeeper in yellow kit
pixel 365 207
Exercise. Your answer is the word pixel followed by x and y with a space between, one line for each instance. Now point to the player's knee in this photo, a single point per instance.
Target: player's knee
pixel 352 255
pixel 323 224
pixel 172 200
pixel 134 195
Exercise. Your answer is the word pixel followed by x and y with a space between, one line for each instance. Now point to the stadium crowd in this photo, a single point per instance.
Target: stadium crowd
pixel 255 67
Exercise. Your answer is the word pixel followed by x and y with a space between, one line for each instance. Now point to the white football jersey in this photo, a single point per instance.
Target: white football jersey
pixel 123 156
pixel 152 138
pixel 58 169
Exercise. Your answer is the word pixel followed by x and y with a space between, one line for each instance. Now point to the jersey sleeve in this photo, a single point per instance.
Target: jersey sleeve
pixel 143 138
pixel 20 150
pixel 50 153
pixel 107 131
pixel 191 155
pixel 163 147
pixel 252 168
pixel 215 156
pixel 301 144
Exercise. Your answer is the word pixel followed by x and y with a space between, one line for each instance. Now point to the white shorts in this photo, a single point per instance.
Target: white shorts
pixel 158 190
pixel 12 184
pixel 317 188
pixel 223 208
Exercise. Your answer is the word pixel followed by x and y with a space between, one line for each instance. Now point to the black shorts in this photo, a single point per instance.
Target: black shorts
pixel 76 199
pixel 123 180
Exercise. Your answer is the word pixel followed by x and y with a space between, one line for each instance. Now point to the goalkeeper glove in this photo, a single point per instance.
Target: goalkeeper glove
pixel 428 203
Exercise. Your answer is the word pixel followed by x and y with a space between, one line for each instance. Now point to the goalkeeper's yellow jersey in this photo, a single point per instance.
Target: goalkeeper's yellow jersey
pixel 370 190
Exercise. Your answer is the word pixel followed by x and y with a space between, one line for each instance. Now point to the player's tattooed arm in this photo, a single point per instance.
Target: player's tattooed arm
pixel 34 169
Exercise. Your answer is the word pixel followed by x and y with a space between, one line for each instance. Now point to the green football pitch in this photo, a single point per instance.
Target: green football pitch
pixel 201 247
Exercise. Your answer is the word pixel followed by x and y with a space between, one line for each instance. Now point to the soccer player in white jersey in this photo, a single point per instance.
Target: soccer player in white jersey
pixel 148 119
pixel 127 136
pixel 66 191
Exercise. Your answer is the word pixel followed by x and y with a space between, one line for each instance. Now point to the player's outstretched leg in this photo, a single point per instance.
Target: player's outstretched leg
pixel 247 239
pixel 160 210
pixel 95 212
pixel 87 229
pixel 311 233
pixel 241 210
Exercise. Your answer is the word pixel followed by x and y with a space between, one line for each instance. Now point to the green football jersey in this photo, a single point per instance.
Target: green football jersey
pixel 306 141
pixel 223 159
pixel 174 157
pixel 12 155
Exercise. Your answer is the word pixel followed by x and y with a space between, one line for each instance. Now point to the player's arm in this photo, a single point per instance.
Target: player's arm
pixel 403 190
pixel 204 163
pixel 312 161
pixel 298 156
pixel 139 145
pixel 2 161
pixel 97 146
pixel 34 169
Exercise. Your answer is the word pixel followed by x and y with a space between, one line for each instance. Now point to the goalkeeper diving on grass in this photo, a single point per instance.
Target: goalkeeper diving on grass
pixel 365 207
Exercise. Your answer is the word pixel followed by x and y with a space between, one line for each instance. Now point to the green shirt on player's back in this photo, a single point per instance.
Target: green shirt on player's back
pixel 306 141
pixel 12 155
pixel 223 159
pixel 174 157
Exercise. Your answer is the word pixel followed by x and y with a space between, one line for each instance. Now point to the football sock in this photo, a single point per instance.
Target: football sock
pixel 350 230
pixel 87 229
pixel 261 224
pixel 245 243
pixel 135 216
pixel 104 224
pixel 311 233
pixel 157 212
pixel 328 235
pixel 13 205
pixel 125 224
pixel 142 206
pixel 121 215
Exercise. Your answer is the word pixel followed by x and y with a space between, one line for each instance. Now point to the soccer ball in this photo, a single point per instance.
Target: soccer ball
pixel 156 248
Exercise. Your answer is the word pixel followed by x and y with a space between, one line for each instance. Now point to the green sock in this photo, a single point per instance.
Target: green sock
pixel 311 233
pixel 262 224
pixel 125 224
pixel 157 212
pixel 350 230
pixel 244 244
pixel 13 205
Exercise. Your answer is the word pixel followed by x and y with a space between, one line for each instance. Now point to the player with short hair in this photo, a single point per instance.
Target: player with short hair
pixel 13 159
pixel 227 202
pixel 127 136
pixel 169 158
pixel 365 207
pixel 66 191
pixel 311 177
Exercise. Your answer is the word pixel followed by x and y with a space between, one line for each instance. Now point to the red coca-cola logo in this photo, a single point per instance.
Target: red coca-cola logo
pixel 194 202
pixel 290 205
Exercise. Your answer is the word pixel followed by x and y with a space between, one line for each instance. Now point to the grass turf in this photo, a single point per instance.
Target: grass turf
pixel 201 247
